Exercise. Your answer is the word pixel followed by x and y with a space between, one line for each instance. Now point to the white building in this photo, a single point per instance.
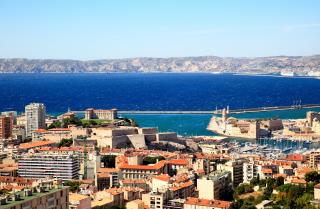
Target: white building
pixel 249 172
pixel 214 185
pixel 35 114
pixel 64 167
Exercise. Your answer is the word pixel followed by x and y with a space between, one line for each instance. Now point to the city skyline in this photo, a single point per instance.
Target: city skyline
pixel 122 29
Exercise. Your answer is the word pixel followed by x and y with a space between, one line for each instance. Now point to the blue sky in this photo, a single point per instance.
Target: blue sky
pixel 92 29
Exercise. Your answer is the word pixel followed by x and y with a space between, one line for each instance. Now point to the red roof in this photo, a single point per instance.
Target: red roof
pixel 208 203
pixel 156 166
pixel 178 162
pixel 33 144
pixel 163 177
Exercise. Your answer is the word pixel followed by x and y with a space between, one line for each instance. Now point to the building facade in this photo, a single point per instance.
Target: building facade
pixel 35 114
pixel 5 127
pixel 63 167
pixel 91 113
pixel 214 185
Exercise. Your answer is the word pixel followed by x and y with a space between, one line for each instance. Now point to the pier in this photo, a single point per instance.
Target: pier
pixel 235 111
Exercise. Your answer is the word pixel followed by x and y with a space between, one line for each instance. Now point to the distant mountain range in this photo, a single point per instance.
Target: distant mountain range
pixel 285 65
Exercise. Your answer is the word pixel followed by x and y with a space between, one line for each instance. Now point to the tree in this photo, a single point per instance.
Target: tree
pixel 109 161
pixel 68 121
pixel 152 160
pixel 254 181
pixel 114 207
pixel 65 143
pixel 73 185
pixel 56 124
pixel 279 181
pixel 312 176
pixel 243 189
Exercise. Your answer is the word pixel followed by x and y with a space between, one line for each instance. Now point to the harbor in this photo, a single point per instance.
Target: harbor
pixel 217 111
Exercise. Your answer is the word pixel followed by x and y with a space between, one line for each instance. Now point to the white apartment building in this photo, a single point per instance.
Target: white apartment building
pixel 35 114
pixel 250 171
pixel 64 167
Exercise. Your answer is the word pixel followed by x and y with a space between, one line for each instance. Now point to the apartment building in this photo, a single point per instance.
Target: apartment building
pixel 5 127
pixel 35 114
pixel 249 172
pixel 64 167
pixel 44 195
pixel 143 171
pixel 236 169
pixel 214 185
pixel 314 159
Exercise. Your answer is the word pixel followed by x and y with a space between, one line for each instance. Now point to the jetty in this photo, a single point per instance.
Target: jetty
pixel 217 111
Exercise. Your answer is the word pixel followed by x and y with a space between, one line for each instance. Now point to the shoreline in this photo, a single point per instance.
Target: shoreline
pixel 276 75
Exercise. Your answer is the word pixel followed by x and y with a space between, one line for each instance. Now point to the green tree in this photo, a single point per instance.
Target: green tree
pixel 243 189
pixel 279 181
pixel 73 185
pixel 255 181
pixel 56 124
pixel 65 143
pixel 152 160
pixel 109 161
pixel 312 176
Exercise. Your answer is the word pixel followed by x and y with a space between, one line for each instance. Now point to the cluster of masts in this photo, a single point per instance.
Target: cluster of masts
pixel 224 110
pixel 296 104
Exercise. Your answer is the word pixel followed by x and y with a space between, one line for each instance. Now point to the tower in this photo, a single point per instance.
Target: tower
pixel 224 114
pixel 35 117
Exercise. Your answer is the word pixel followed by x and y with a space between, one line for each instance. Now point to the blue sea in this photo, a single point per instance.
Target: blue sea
pixel 168 91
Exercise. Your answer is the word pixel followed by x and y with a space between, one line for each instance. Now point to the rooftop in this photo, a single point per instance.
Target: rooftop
pixel 208 203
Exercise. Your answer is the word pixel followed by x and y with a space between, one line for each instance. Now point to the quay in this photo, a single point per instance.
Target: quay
pixel 219 111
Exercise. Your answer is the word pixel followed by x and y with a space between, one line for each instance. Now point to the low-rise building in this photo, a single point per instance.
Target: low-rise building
pixel 44 195
pixel 196 203
pixel 78 201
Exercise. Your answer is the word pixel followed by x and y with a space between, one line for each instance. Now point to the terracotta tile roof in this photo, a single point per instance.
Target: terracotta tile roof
pixel 40 130
pixel 295 157
pixel 163 177
pixel 33 144
pixel 108 170
pixel 280 175
pixel 298 181
pixel 266 170
pixel 134 181
pixel 178 162
pixel 54 149
pixel 304 170
pixel 156 166
pixel 77 197
pixel 19 180
pixel 59 129
pixel 181 186
pixel 208 203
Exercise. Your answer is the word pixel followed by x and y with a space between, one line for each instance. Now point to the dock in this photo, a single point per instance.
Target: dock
pixel 235 111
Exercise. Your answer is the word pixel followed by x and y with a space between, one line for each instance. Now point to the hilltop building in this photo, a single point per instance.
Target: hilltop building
pixel 91 113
